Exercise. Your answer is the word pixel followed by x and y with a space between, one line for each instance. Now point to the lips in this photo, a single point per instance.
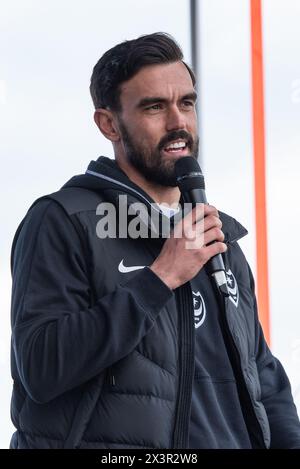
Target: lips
pixel 179 152
pixel 176 147
pixel 176 143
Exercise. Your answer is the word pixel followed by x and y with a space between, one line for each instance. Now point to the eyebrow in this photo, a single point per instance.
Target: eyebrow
pixel 158 99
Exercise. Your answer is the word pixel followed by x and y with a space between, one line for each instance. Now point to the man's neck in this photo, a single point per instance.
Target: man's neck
pixel 160 194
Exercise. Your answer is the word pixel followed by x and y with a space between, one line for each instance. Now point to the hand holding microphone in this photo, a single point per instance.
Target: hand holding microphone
pixel 191 183
pixel 178 263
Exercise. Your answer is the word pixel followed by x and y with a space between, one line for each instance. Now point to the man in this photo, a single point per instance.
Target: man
pixel 122 341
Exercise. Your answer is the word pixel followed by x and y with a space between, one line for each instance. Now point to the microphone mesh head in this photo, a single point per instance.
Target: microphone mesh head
pixel 188 174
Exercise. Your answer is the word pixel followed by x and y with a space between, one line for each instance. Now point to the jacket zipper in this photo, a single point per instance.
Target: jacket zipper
pixel 256 434
pixel 186 349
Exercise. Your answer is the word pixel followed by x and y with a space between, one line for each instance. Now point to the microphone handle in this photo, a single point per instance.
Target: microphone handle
pixel 215 263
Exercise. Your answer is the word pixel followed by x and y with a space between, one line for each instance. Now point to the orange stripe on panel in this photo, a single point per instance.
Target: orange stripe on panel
pixel 262 283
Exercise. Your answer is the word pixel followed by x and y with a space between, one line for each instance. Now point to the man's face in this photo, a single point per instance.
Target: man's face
pixel 158 121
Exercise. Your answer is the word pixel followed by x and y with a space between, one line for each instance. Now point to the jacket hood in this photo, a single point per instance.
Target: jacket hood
pixel 105 176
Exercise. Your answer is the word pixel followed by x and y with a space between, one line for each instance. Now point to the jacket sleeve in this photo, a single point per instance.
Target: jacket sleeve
pixel 59 339
pixel 276 392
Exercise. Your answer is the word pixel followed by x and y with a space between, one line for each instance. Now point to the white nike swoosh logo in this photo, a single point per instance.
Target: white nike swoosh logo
pixel 124 269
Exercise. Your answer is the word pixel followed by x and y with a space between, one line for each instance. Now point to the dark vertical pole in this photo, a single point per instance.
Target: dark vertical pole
pixel 195 54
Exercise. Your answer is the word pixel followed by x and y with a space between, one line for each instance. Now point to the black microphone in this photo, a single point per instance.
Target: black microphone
pixel 190 181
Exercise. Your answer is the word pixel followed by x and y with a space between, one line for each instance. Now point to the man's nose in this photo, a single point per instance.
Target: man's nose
pixel 175 119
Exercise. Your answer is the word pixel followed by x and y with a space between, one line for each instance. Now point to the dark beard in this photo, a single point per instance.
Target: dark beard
pixel 151 165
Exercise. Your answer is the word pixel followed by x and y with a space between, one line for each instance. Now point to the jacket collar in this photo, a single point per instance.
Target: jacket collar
pixel 105 176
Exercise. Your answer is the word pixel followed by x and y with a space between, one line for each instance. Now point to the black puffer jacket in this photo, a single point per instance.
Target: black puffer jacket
pixel 103 357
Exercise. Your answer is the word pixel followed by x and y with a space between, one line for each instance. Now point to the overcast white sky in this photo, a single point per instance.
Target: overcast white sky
pixel 47 51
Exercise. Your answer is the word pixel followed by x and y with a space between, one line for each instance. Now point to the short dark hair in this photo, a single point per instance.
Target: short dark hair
pixel 124 60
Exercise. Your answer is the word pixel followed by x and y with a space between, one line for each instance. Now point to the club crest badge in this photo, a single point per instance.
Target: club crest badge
pixel 232 288
pixel 199 309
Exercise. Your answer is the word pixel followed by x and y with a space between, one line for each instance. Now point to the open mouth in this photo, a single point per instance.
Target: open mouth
pixel 178 147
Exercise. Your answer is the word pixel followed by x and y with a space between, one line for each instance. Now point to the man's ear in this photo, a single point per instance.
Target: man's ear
pixel 107 124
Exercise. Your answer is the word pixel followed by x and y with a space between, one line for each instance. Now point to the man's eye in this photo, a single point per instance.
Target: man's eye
pixel 188 103
pixel 154 107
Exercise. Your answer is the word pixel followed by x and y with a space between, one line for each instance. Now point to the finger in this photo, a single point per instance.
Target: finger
pixel 201 239
pixel 214 249
pixel 200 211
pixel 203 212
pixel 214 234
pixel 209 222
pixel 210 210
pixel 197 214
